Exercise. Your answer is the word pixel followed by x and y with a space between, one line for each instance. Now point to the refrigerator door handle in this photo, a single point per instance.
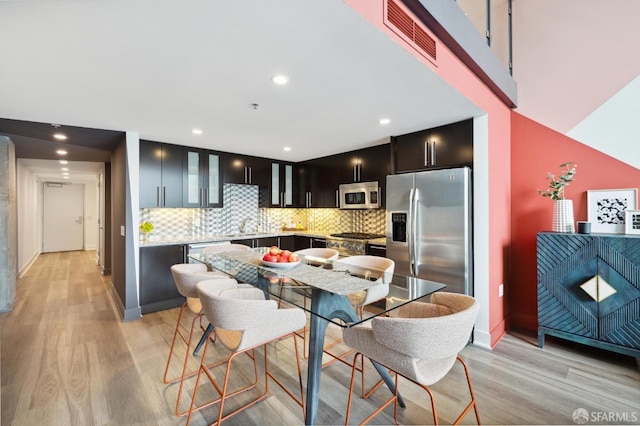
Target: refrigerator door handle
pixel 410 241
pixel 414 231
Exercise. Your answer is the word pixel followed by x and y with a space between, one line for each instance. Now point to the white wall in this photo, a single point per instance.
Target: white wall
pixel 29 223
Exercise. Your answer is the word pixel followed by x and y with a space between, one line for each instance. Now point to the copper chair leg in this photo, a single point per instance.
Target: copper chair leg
pixel 186 341
pixel 223 391
pixel 473 404
pixel 204 368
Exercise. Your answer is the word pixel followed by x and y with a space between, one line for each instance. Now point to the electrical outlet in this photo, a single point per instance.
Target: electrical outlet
pixel 122 230
pixel 501 290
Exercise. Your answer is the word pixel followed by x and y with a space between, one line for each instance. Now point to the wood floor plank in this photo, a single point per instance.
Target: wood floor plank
pixel 66 358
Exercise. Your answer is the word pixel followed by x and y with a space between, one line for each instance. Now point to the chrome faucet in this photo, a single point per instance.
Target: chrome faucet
pixel 244 224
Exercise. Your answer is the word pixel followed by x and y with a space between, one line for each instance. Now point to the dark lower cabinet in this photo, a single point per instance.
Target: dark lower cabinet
pixel 589 290
pixel 303 242
pixel 157 289
pixel 376 250
pixel 287 243
pixel 258 242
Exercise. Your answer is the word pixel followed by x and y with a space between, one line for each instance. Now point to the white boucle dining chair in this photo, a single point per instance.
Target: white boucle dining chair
pixel 421 344
pixel 317 256
pixel 186 276
pixel 376 268
pixel 244 320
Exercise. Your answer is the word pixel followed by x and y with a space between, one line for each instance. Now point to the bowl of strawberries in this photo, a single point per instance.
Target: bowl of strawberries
pixel 280 259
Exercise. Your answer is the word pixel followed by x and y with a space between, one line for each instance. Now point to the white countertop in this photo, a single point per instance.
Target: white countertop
pixel 214 238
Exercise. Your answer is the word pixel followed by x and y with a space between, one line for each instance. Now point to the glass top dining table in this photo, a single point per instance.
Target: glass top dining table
pixel 327 285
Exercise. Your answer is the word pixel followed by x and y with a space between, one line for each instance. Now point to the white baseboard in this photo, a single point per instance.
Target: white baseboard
pixel 24 270
pixel 91 247
pixel 482 339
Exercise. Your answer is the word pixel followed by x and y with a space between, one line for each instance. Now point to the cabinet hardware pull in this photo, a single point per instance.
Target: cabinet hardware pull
pixel 426 153
pixel 164 196
pixel 158 196
pixel 250 177
pixel 206 197
pixel 310 202
pixel 337 198
pixel 433 153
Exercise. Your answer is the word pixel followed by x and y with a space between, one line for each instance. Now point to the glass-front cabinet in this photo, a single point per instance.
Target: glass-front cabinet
pixel 281 185
pixel 202 178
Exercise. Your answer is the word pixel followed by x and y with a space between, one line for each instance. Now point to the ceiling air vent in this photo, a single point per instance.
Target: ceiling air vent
pixel 407 26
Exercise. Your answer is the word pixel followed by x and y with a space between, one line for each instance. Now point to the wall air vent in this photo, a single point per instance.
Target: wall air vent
pixel 399 20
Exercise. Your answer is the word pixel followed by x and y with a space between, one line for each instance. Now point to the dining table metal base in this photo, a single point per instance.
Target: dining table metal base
pixel 329 306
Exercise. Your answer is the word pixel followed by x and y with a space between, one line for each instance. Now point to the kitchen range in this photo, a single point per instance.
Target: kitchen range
pixel 351 243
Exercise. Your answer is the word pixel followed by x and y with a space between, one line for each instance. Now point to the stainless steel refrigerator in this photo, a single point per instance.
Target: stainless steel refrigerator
pixel 429 232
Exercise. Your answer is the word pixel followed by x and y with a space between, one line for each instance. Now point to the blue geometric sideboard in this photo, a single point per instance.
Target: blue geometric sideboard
pixel 589 290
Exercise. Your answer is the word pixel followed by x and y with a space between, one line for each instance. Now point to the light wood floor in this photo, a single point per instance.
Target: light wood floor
pixel 67 359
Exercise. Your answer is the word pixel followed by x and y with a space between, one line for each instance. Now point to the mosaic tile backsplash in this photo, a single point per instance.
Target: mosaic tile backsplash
pixel 242 213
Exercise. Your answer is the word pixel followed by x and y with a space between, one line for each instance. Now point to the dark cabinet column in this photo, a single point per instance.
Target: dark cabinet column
pixel 157 289
pixel 160 175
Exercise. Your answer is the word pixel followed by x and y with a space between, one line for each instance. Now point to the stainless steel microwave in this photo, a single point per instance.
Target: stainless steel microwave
pixel 361 195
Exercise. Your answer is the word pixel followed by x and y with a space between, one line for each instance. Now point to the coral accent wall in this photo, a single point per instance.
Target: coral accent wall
pixel 536 150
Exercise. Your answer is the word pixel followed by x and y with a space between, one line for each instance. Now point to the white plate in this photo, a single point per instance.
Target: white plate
pixel 280 265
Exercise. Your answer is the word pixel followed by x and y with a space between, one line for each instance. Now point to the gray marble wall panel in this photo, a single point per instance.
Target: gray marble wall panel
pixel 8 225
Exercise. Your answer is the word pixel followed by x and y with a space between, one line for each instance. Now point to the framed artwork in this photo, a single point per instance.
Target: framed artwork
pixel 606 208
pixel 632 222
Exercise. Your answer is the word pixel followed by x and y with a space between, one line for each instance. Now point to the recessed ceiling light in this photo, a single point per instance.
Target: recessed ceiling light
pixel 63 161
pixel 196 131
pixel 60 137
pixel 287 148
pixel 65 169
pixel 61 152
pixel 65 177
pixel 65 173
pixel 279 79
pixel 384 121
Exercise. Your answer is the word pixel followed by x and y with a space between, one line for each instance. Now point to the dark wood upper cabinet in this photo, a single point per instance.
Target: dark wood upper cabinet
pixel 160 175
pixel 246 169
pixel 202 178
pixel 450 145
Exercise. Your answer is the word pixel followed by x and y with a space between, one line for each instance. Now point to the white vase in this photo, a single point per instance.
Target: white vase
pixel 563 216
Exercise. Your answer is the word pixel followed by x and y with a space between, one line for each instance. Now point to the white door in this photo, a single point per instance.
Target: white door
pixel 63 217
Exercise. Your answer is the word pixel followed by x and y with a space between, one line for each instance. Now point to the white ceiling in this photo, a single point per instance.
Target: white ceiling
pixel 162 68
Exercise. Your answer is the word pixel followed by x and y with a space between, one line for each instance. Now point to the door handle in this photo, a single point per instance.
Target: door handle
pixel 79 220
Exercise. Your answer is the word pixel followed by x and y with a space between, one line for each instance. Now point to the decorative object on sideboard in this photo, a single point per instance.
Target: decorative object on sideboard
pixel 562 208
pixel 146 228
pixel 632 222
pixel 606 208
pixel 584 227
